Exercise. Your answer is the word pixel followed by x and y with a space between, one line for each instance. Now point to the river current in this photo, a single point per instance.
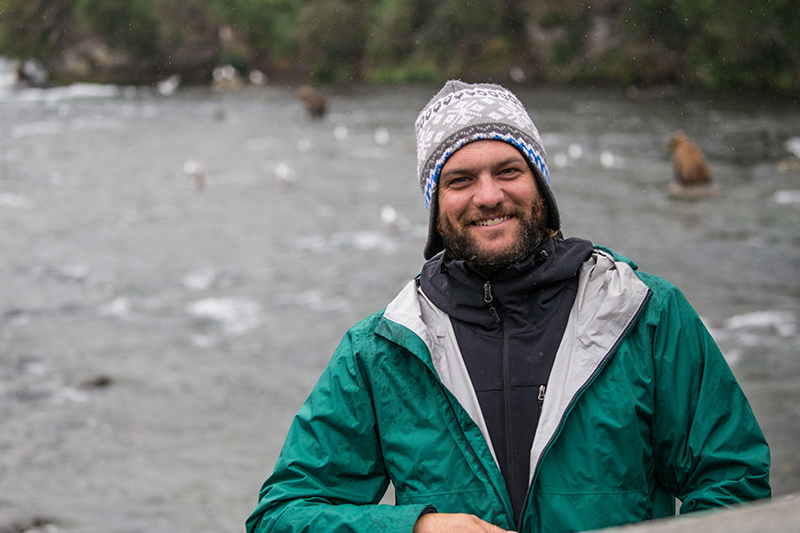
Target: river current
pixel 177 270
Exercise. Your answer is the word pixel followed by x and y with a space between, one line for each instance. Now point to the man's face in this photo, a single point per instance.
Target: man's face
pixel 490 211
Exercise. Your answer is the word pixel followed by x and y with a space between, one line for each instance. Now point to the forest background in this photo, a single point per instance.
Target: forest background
pixel 719 45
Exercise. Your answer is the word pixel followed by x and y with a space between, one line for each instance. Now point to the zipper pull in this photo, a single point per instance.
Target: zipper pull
pixel 487 293
pixel 542 389
pixel 488 298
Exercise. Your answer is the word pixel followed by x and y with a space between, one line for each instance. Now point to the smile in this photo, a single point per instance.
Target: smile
pixel 492 221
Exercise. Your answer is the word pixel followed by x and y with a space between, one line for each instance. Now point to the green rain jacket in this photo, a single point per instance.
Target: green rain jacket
pixel 641 408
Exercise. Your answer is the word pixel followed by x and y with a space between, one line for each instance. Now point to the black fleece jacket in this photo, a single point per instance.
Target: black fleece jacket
pixel 508 329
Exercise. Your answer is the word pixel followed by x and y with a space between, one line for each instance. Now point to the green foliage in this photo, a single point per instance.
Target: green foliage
pixel 726 45
pixel 33 28
pixel 575 27
pixel 716 44
pixel 391 40
pixel 477 41
pixel 330 39
pixel 438 39
pixel 267 25
pixel 130 24
pixel 660 20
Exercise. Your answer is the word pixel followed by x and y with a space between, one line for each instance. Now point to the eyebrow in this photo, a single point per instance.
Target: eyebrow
pixel 508 161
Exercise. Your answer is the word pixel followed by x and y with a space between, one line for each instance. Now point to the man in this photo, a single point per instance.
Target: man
pixel 523 381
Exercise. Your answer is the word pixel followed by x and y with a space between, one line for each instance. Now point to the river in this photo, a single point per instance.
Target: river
pixel 159 330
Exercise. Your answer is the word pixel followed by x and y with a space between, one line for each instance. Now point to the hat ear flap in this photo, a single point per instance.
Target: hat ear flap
pixel 434 244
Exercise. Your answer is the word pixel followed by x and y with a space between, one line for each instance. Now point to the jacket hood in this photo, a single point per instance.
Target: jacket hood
pixel 459 290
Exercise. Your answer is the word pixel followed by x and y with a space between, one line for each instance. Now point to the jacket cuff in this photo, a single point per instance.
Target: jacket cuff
pixel 427 510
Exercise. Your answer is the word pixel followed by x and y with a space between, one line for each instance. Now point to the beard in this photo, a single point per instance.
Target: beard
pixel 459 244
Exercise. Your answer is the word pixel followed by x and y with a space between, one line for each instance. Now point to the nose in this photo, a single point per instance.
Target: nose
pixel 488 193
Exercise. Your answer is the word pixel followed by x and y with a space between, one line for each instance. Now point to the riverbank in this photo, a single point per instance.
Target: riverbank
pixel 613 42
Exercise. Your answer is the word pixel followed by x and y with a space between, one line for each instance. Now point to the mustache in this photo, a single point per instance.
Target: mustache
pixel 489 214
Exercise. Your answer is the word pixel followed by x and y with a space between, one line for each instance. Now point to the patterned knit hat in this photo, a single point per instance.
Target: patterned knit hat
pixel 462 113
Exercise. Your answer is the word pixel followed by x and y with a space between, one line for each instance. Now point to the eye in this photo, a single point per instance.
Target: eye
pixel 456 182
pixel 509 172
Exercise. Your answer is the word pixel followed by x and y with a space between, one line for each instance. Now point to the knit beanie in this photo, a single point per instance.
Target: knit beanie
pixel 461 113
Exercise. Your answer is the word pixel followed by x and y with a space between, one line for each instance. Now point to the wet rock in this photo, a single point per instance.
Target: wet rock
pixel 196 173
pixel 168 86
pixel 176 38
pixel 100 381
pixel 226 78
pixel 90 57
pixel 790 165
pixel 677 191
pixel 31 73
pixel 35 523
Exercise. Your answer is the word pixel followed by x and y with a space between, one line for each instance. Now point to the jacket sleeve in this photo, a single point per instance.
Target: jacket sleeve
pixel 330 474
pixel 708 447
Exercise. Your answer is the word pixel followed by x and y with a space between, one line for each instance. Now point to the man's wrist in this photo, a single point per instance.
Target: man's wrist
pixel 427 510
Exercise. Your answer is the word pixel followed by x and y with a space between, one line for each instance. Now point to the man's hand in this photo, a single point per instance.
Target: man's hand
pixel 453 523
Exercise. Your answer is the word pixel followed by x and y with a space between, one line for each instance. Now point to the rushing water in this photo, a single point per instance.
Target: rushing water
pixel 156 338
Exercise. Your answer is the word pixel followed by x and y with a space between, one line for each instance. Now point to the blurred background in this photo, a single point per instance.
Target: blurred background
pixel 185 236
pixel 704 43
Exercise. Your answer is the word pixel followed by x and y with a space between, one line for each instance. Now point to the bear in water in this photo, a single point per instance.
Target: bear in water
pixel 315 102
pixel 693 178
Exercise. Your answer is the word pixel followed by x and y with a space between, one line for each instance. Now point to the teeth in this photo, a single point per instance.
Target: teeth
pixel 492 222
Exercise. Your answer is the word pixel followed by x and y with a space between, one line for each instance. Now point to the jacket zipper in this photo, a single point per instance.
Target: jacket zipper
pixel 571 404
pixel 507 422
pixel 474 455
pixel 511 467
pixel 488 298
pixel 511 470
